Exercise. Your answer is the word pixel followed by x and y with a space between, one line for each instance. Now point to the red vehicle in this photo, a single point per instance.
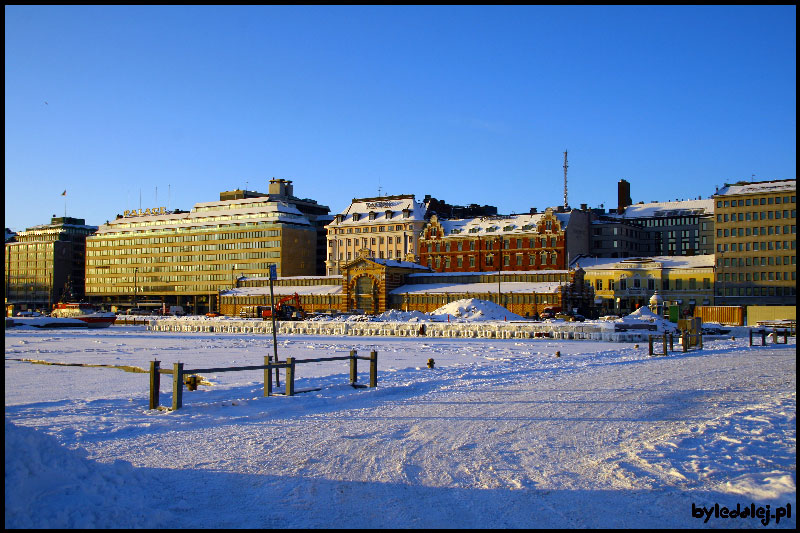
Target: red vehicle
pixel 285 311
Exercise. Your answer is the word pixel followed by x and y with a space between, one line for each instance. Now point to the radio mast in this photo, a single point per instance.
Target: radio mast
pixel 566 205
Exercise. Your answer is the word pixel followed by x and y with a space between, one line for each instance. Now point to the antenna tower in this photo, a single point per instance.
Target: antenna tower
pixel 566 205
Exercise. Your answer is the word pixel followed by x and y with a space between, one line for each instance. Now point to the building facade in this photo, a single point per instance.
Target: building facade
pixel 154 257
pixel 373 285
pixel 45 264
pixel 523 293
pixel 756 243
pixel 387 227
pixel 623 286
pixel 534 241
pixel 682 227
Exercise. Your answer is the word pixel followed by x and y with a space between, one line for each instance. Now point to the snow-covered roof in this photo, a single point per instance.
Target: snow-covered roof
pixel 493 273
pixel 590 264
pixel 498 224
pixel 762 187
pixel 543 287
pixel 677 208
pixel 285 290
pixel 213 214
pixel 385 210
pixel 397 263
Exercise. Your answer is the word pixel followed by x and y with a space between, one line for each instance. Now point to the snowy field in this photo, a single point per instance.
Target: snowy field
pixel 501 433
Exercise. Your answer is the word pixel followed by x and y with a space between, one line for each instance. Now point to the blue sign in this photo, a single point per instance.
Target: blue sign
pixel 273 272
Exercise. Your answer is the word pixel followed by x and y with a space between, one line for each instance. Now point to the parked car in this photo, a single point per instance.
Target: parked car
pixel 138 311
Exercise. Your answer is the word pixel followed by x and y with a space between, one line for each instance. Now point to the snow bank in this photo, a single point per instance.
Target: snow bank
pixel 473 309
pixel 67 490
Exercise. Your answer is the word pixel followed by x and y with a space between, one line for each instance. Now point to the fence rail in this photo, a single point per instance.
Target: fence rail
pixel 775 333
pixel 180 375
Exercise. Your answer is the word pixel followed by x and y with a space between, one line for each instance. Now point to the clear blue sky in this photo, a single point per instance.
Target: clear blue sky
pixel 468 104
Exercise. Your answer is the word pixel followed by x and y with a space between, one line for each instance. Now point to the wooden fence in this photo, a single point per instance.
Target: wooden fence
pixel 179 375
pixel 687 340
pixel 775 333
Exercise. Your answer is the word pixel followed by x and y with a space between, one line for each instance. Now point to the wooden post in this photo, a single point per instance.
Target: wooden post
pixel 671 342
pixel 290 377
pixel 700 336
pixel 353 367
pixel 763 337
pixel 177 386
pixel 373 368
pixel 650 344
pixel 685 341
pixel 267 378
pixel 155 383
pixel 665 343
pixel 751 337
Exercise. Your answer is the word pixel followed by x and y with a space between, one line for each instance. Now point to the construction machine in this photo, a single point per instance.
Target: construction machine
pixel 284 310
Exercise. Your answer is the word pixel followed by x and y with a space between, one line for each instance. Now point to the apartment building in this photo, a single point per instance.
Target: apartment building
pixel 756 243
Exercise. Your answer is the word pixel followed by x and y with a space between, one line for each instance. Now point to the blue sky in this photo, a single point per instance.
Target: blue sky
pixel 468 104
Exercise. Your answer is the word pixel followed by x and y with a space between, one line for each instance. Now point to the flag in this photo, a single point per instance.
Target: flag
pixel 64 193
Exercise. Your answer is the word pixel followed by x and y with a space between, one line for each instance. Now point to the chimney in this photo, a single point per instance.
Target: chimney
pixel 623 196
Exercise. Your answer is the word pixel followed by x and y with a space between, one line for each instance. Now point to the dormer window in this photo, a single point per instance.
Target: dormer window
pixel 372 215
pixel 406 213
pixel 356 217
pixel 388 214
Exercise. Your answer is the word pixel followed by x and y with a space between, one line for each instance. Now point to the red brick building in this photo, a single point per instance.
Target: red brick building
pixel 534 241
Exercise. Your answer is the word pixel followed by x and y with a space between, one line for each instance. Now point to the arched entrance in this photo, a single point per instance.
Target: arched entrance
pixel 364 294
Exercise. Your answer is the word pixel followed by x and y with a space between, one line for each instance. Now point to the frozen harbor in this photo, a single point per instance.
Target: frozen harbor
pixel 501 433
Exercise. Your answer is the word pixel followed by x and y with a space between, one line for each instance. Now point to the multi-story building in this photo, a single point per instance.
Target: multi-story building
pixel 682 227
pixel 387 227
pixel 622 286
pixel 756 243
pixel 281 190
pixel 45 264
pixel 186 258
pixel 532 241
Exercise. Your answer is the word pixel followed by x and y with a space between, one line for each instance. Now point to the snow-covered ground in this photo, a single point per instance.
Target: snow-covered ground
pixel 501 433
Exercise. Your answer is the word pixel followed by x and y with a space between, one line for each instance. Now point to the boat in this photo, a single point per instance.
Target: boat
pixel 85 312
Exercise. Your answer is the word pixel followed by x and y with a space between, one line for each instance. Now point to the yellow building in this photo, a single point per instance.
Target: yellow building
pixel 756 243
pixel 154 257
pixel 622 286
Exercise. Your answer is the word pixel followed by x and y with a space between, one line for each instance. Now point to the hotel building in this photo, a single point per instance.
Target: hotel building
pixel 756 243
pixel 155 257
pixel 46 263
pixel 387 227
